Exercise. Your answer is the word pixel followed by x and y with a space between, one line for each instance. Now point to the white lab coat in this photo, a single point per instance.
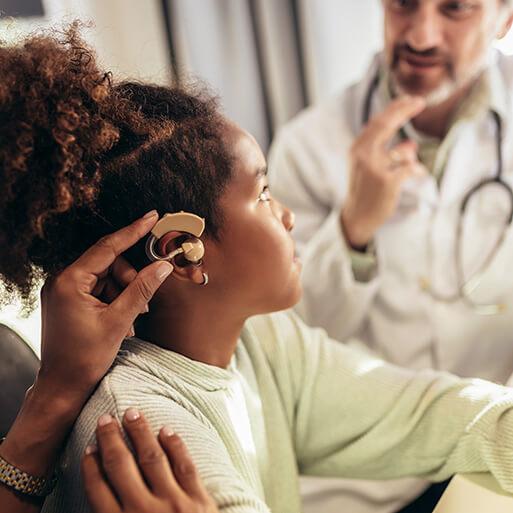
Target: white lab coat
pixel 391 314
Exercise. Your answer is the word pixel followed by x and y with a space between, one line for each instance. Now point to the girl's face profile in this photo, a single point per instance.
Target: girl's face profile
pixel 255 257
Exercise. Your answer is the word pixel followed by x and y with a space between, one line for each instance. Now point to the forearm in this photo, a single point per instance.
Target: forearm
pixel 385 422
pixel 443 429
pixel 36 437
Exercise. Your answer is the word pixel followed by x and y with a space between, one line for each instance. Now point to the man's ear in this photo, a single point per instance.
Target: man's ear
pixel 505 26
pixel 183 269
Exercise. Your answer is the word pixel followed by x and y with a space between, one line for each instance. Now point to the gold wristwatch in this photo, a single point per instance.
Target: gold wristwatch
pixel 24 483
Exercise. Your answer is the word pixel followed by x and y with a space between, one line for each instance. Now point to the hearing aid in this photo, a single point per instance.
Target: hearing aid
pixel 191 249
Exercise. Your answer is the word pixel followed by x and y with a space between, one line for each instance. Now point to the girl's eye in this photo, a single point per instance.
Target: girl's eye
pixel 265 195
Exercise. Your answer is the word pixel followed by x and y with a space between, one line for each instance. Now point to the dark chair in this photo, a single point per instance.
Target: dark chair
pixel 426 502
pixel 18 368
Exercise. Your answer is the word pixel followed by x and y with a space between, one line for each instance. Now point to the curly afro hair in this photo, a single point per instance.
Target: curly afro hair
pixel 81 156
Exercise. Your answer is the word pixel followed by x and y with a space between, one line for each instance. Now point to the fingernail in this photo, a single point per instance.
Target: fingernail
pixel 146 309
pixel 104 420
pixel 167 431
pixel 164 270
pixel 90 449
pixel 132 414
pixel 151 213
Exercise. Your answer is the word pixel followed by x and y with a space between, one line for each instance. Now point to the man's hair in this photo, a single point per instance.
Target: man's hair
pixel 81 157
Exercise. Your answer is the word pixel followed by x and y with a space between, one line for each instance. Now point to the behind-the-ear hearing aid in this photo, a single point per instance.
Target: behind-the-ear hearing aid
pixel 191 249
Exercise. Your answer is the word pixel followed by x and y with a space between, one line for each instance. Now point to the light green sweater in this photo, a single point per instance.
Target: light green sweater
pixel 294 401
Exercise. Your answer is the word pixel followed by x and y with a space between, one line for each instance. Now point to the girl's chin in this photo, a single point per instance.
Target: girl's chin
pixel 293 298
pixel 288 298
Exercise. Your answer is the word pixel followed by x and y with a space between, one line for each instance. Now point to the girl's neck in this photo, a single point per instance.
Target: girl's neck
pixel 202 334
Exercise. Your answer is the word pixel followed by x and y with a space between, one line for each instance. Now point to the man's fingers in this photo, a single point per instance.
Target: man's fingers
pixel 100 256
pixel 386 124
pixel 133 300
pixel 151 458
pixel 183 467
pixel 100 496
pixel 119 465
pixel 403 153
pixel 409 170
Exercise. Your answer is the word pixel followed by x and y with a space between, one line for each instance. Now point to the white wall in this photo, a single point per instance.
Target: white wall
pixel 215 42
pixel 341 36
pixel 128 35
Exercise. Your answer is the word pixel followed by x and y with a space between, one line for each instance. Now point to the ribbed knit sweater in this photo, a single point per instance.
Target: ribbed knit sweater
pixel 292 401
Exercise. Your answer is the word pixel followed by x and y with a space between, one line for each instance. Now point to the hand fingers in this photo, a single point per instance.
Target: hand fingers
pixel 183 467
pixel 408 170
pixel 100 256
pixel 100 496
pixel 123 272
pixel 152 460
pixel 107 290
pixel 111 290
pixel 386 124
pixel 119 465
pixel 403 153
pixel 98 288
pixel 134 299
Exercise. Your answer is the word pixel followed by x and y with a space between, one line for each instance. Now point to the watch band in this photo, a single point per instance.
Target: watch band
pixel 26 484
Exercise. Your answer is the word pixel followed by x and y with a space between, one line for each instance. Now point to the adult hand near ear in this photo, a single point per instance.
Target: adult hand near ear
pixel 81 334
pixel 160 479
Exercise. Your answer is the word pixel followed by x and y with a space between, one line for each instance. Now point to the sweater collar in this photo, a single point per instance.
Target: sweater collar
pixel 172 367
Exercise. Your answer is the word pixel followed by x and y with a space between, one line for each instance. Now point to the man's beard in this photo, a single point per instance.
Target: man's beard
pixel 449 86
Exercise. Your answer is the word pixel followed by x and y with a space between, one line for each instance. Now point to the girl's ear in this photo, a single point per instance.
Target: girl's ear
pixel 183 270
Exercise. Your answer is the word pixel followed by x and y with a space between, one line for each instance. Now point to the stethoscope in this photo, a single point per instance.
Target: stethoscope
pixel 464 287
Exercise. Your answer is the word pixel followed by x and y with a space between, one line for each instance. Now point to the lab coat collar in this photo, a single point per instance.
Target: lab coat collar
pixel 500 98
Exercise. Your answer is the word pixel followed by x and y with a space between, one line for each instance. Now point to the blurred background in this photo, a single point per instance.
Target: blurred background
pixel 266 59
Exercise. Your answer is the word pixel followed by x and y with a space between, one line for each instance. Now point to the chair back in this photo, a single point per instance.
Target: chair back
pixel 18 368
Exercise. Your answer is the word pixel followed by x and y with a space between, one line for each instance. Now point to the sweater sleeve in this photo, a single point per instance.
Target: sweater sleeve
pixel 338 286
pixel 209 454
pixel 357 416
pixel 231 493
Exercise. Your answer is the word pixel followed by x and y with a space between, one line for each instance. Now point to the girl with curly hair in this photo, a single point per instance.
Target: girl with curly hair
pixel 258 397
